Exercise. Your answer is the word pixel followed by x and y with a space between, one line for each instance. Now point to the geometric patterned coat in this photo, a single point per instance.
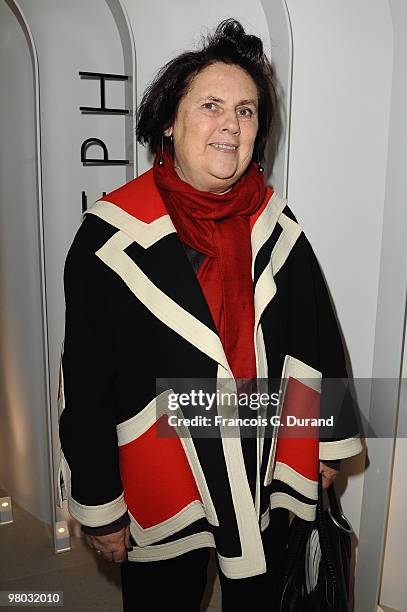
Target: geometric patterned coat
pixel 135 312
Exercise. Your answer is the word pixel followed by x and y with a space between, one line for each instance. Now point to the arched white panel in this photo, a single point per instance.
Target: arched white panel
pixel 25 455
pixel 129 57
pixel 73 38
pixel 69 38
pixel 278 21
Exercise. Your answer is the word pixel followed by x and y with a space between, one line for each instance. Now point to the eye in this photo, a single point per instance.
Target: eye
pixel 210 105
pixel 245 112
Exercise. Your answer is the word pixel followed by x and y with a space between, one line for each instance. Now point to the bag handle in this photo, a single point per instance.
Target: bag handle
pixel 335 513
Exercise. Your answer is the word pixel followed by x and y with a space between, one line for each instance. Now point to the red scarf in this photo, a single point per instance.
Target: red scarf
pixel 218 226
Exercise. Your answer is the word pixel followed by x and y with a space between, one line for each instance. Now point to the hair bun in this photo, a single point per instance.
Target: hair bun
pixel 231 33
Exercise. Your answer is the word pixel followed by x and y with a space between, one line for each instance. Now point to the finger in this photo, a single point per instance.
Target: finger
pixel 108 552
pixel 90 542
pixel 128 543
pixel 106 555
pixel 120 555
pixel 326 481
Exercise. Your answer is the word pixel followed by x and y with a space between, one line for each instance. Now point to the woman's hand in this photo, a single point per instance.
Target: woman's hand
pixel 328 474
pixel 111 546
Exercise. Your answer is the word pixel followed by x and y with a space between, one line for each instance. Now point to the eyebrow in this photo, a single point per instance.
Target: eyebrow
pixel 240 103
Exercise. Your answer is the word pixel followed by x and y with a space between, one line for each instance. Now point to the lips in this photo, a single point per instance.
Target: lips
pixel 225 147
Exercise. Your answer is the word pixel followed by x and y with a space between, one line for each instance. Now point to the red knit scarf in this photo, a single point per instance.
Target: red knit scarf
pixel 218 226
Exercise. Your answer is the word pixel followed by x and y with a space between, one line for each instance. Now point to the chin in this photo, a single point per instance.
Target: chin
pixel 225 173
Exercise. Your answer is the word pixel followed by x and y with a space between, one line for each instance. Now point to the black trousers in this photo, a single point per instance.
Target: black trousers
pixel 178 584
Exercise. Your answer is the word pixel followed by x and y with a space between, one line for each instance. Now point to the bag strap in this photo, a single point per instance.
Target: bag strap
pixel 325 544
pixel 333 500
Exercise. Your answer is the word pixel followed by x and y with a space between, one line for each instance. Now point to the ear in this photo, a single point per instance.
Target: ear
pixel 168 132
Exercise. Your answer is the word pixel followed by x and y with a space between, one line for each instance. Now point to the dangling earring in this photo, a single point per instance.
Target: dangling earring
pixel 260 168
pixel 161 158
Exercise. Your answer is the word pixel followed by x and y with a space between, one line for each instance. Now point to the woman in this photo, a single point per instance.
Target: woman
pixel 195 270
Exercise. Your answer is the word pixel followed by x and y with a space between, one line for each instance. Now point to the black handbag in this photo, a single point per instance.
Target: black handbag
pixel 318 560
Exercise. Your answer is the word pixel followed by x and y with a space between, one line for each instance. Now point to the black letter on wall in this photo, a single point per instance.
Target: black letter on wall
pixel 93 161
pixel 102 109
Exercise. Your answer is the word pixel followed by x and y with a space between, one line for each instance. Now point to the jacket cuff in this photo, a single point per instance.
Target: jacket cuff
pixel 340 449
pixel 113 527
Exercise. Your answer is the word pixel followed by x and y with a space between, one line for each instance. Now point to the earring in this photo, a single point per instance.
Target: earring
pixel 260 168
pixel 161 158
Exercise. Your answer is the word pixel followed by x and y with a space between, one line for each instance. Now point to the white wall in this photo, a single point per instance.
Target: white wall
pixel 342 61
pixel 394 586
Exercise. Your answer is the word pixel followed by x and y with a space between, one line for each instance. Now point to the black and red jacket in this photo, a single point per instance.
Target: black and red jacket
pixel 135 313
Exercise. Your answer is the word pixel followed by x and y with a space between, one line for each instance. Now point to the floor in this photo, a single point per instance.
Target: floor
pixel 28 562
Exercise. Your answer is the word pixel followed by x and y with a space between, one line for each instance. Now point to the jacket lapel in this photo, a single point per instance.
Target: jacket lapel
pixel 262 225
pixel 149 257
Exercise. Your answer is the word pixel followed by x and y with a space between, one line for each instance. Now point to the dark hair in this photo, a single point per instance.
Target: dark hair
pixel 229 44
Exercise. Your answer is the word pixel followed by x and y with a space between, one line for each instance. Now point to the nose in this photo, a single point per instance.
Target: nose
pixel 230 123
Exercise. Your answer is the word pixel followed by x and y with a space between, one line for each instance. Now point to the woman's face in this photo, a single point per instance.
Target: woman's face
pixel 215 128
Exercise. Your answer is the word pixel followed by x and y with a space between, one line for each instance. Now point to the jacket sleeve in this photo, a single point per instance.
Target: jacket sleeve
pixel 341 439
pixel 315 339
pixel 89 465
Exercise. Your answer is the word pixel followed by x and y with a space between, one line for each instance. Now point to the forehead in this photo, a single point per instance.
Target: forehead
pixel 224 81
